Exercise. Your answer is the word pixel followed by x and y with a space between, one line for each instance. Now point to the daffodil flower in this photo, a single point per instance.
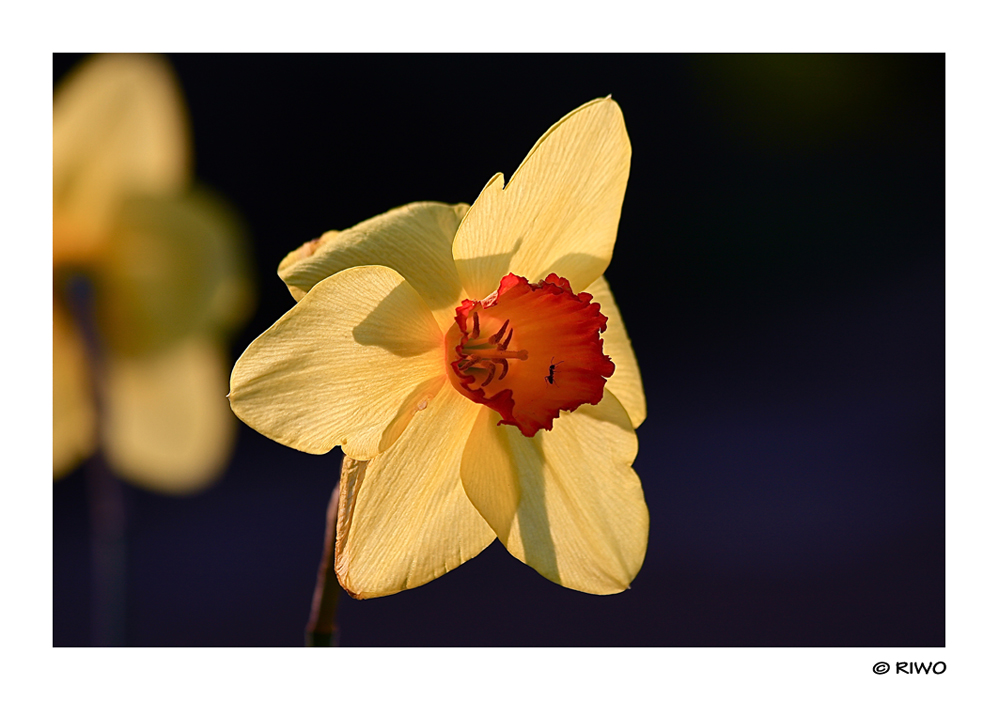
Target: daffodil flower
pixel 475 370
pixel 167 275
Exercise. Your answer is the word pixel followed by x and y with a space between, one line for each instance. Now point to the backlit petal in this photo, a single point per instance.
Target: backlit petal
pixel 559 212
pixel 414 240
pixel 347 365
pixel 567 502
pixel 167 425
pixel 74 434
pixel 404 519
pixel 626 382
pixel 118 129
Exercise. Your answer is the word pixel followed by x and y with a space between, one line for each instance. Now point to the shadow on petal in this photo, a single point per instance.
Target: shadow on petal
pixel 386 328
pixel 566 502
pixel 489 474
pixel 414 240
pixel 468 268
pixel 532 512
pixel 416 402
pixel 580 269
pixel 503 475
pixel 598 412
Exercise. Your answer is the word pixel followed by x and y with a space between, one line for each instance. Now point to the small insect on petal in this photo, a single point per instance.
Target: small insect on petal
pixel 551 371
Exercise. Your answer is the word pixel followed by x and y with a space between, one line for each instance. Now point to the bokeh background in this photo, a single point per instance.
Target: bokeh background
pixel 780 268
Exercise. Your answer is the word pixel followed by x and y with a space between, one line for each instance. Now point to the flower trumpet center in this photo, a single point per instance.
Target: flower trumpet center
pixel 529 351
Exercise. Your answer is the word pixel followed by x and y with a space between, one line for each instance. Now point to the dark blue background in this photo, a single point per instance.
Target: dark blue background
pixel 780 268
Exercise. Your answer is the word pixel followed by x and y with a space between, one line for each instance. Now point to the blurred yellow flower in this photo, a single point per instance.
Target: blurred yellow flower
pixel 419 345
pixel 166 277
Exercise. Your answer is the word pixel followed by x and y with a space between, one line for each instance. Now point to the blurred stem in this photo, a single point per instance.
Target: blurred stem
pixel 107 553
pixel 322 630
pixel 105 495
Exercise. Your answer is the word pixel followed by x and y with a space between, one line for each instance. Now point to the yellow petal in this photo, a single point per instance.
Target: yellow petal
pixel 414 240
pixel 167 425
pixel 118 128
pixel 74 420
pixel 560 210
pixel 404 519
pixel 626 382
pixel 176 267
pixel 565 502
pixel 347 365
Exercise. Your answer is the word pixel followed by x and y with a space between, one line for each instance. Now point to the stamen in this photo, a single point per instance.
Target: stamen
pixel 499 334
pixel 468 362
pixel 506 368
pixel 504 344
pixel 496 354
pixel 475 325
pixel 489 378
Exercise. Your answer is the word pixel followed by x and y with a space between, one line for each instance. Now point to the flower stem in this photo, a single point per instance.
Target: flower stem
pixel 107 551
pixel 322 630
pixel 105 494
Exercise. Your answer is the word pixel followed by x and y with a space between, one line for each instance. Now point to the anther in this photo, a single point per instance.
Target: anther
pixel 506 367
pixel 475 325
